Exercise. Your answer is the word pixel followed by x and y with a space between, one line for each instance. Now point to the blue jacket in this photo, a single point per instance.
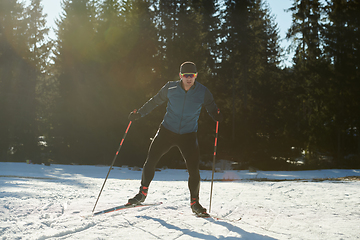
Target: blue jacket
pixel 183 108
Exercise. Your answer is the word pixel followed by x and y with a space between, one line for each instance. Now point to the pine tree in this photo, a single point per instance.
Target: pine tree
pixel 186 33
pixel 126 43
pixel 342 48
pixel 39 56
pixel 10 13
pixel 22 32
pixel 249 69
pixel 310 84
pixel 76 113
pixel 37 32
pixel 105 60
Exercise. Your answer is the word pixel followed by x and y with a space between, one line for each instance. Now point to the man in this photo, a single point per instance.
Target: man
pixel 184 98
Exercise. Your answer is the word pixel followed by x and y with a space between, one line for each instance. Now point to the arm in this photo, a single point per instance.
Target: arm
pixel 155 101
pixel 211 107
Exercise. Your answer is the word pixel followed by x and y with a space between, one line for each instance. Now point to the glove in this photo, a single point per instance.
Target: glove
pixel 218 117
pixel 133 116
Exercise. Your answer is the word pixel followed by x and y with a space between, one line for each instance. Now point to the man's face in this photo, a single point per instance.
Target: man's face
pixel 188 79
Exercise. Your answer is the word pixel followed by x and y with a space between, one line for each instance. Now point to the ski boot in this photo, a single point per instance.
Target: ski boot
pixel 140 197
pixel 198 209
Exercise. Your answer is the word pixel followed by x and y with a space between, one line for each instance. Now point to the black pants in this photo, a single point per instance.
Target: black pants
pixel 163 141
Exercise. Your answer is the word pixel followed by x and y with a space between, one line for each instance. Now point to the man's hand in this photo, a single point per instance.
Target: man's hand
pixel 133 116
pixel 218 116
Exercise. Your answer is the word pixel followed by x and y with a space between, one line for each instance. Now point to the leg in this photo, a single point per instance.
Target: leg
pixel 189 148
pixel 160 145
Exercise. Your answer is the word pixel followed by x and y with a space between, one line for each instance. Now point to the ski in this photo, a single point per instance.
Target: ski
pixel 202 215
pixel 224 218
pixel 217 218
pixel 122 207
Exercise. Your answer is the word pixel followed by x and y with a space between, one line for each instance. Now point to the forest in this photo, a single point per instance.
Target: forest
pixel 67 100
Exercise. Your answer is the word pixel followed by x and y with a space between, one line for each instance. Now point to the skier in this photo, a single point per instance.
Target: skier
pixel 184 98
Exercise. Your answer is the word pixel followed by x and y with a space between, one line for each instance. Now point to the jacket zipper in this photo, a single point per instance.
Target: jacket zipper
pixel 182 113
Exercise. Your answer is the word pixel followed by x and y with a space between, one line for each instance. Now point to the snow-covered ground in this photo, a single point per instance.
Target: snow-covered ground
pixel 48 202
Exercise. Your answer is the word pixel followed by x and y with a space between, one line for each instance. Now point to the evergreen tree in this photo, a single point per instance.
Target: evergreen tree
pixel 105 60
pixel 22 32
pixel 249 69
pixel 187 32
pixel 342 49
pixel 309 78
pixel 9 18
pixel 37 31
pixel 39 52
pixel 76 112
pixel 126 42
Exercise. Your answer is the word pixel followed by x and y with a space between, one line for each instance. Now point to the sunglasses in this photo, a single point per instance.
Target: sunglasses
pixel 188 75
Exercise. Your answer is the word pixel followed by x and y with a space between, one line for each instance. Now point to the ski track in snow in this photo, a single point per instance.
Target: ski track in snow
pixel 40 202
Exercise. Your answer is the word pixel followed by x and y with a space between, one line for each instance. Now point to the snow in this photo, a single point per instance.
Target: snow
pixel 48 202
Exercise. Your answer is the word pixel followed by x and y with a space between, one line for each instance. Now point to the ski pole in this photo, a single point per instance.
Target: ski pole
pixel 112 164
pixel 213 167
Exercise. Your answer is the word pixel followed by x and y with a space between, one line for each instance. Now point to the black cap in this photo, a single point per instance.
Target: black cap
pixel 188 67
